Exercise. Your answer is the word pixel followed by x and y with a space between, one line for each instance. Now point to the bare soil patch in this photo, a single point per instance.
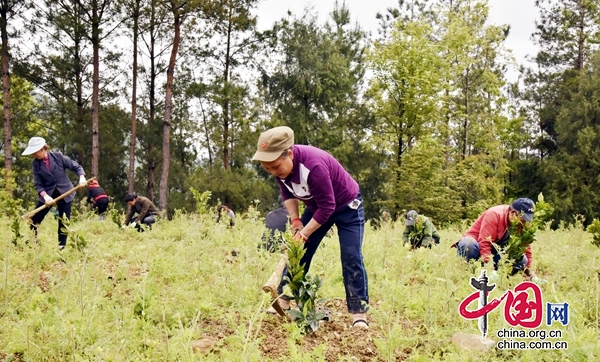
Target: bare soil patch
pixel 341 340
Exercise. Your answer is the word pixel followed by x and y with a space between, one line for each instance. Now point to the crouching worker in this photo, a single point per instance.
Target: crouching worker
pixel 275 223
pixel 145 210
pixel 98 198
pixel 224 209
pixel 491 232
pixel 419 231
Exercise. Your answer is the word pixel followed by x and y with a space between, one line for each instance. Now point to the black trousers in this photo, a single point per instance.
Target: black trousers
pixel 100 206
pixel 64 211
pixel 148 221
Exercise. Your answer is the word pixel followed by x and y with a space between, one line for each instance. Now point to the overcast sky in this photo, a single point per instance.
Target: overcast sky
pixel 519 14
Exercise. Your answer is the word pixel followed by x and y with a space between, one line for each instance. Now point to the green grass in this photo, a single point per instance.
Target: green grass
pixel 132 296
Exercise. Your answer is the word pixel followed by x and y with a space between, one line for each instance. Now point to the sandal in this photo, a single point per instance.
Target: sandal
pixel 360 323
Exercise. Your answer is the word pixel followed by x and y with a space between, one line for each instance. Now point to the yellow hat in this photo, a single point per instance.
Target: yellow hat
pixel 272 143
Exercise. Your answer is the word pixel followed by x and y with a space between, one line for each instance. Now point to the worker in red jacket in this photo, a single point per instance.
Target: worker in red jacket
pixel 98 198
pixel 490 232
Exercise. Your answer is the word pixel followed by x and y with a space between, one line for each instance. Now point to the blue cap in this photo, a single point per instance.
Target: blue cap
pixel 525 207
pixel 411 217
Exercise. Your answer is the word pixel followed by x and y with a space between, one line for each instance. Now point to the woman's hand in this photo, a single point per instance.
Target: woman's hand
pixel 297 225
pixel 49 200
pixel 300 236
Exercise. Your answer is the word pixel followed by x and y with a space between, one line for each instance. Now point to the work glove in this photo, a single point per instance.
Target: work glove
pixel 297 225
pixel 49 200
pixel 82 181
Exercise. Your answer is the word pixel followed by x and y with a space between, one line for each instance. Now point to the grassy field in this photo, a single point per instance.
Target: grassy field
pixel 130 296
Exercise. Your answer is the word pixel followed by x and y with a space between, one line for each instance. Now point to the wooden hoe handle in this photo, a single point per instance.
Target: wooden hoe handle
pixel 273 283
pixel 30 214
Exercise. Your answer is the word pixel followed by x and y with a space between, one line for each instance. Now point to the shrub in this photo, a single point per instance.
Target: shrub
pixel 594 229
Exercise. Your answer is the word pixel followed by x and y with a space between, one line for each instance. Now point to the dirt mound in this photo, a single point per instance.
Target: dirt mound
pixel 340 339
pixel 337 335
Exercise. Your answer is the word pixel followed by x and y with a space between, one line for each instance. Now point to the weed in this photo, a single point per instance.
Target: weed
pixel 117 217
pixel 9 205
pixel 76 237
pixel 201 200
pixel 189 289
pixel 15 227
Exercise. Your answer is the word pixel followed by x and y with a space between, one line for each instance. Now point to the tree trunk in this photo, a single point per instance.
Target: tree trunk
pixel 581 38
pixel 131 177
pixel 306 109
pixel 95 87
pixel 208 148
pixel 6 89
pixel 398 206
pixel 466 120
pixel 541 128
pixel 447 137
pixel 78 70
pixel 399 159
pixel 166 144
pixel 152 101
pixel 226 95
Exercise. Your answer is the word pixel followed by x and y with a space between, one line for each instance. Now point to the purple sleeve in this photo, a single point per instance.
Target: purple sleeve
pixel 319 182
pixel 285 193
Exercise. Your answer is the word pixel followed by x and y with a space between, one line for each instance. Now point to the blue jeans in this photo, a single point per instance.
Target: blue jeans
pixel 350 225
pixel 468 248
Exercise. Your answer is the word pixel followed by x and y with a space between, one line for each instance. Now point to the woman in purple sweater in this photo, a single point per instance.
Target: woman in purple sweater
pixel 331 197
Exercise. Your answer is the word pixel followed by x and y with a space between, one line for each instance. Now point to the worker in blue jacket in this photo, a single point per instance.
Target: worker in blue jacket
pixel 51 180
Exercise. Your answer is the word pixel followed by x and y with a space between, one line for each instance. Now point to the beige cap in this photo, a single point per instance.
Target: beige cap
pixel 272 143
